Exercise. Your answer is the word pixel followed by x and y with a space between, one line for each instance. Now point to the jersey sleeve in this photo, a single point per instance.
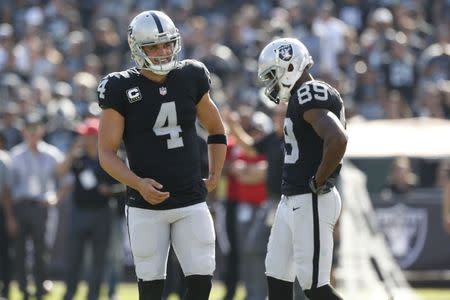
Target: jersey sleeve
pixel 314 95
pixel 109 95
pixel 202 78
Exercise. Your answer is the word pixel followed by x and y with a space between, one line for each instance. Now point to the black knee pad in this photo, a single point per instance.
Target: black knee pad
pixel 150 290
pixel 279 289
pixel 325 292
pixel 198 287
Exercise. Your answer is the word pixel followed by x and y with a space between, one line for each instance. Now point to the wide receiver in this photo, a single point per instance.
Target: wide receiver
pixel 301 240
pixel 153 109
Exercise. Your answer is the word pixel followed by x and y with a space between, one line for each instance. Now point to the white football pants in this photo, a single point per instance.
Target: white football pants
pixel 190 230
pixel 301 240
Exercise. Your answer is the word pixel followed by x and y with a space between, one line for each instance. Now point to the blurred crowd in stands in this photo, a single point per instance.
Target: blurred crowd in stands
pixel 389 59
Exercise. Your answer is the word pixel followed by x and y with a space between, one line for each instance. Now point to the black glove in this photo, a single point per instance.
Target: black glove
pixel 324 188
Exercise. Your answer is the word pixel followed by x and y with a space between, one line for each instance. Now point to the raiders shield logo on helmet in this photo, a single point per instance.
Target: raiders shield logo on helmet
pixel 285 52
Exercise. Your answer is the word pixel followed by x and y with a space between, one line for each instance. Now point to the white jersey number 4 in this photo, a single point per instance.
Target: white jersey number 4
pixel 166 124
pixel 101 89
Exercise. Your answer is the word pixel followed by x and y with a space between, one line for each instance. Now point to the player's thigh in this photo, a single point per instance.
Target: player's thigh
pixel 313 247
pixel 149 234
pixel 279 258
pixel 193 239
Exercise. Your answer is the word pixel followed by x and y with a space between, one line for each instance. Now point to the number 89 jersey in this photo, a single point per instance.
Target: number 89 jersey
pixel 160 137
pixel 303 147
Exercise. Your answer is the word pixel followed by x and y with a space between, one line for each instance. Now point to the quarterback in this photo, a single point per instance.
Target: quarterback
pixel 152 109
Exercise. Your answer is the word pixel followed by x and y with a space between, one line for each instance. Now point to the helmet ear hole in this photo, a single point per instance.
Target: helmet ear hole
pixel 290 68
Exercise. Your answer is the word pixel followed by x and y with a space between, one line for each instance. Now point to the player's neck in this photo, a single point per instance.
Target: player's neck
pixel 153 76
pixel 304 78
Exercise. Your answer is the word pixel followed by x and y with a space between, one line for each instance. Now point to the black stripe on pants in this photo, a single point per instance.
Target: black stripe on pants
pixel 315 274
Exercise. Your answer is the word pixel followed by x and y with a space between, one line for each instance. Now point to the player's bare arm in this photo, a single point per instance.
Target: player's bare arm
pixel 110 137
pixel 334 137
pixel 243 139
pixel 209 117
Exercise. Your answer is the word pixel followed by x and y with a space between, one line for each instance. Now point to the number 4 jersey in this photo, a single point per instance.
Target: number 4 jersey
pixel 303 147
pixel 159 135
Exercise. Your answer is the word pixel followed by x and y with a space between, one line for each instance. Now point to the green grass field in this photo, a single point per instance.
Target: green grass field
pixel 128 291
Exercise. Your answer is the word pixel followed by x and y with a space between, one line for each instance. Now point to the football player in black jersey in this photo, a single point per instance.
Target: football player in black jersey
pixel 153 109
pixel 301 240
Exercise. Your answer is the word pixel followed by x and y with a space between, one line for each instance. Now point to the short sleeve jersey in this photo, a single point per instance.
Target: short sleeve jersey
pixel 159 135
pixel 303 147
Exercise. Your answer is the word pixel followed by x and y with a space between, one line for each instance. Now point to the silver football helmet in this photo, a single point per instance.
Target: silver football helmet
pixel 280 65
pixel 151 28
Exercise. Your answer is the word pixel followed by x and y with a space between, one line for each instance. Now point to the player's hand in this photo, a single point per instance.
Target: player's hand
pixel 150 191
pixel 211 183
pixel 320 189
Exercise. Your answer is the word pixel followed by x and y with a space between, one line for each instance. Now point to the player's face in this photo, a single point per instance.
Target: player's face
pixel 160 53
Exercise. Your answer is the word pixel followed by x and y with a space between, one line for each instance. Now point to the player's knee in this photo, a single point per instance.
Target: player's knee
pixel 198 287
pixel 150 290
pixel 279 289
pixel 325 292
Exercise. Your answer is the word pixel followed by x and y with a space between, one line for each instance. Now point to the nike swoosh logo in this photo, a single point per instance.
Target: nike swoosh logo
pixel 295 208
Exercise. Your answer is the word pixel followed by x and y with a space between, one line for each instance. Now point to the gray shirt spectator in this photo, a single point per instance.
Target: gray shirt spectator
pixel 33 172
pixel 33 182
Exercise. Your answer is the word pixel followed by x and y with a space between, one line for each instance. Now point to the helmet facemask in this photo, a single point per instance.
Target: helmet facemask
pixel 280 65
pixel 270 79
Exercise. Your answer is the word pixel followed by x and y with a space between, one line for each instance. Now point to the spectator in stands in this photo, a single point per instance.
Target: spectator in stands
pixel 115 251
pixel 238 213
pixel 8 225
pixel 10 121
pixel 399 67
pixel 90 219
pixel 250 171
pixel 34 189
pixel 401 178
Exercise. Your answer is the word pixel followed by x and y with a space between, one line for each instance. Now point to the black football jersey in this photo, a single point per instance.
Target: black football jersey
pixel 159 135
pixel 303 147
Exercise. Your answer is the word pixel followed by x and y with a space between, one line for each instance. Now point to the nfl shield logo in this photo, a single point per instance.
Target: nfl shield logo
pixel 163 90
